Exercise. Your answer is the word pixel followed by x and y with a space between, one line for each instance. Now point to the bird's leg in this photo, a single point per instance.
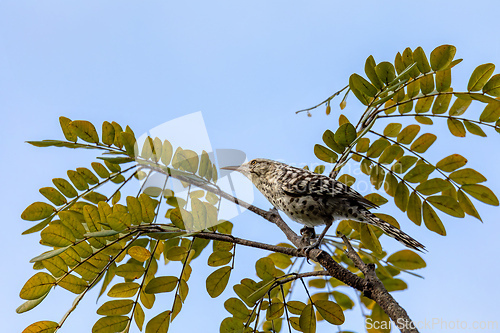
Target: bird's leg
pixel 317 243
pixel 308 234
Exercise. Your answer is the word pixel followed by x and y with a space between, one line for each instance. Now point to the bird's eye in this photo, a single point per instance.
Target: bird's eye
pixel 253 162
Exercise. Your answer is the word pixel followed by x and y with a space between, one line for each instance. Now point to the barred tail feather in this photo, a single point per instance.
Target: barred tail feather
pixel 395 233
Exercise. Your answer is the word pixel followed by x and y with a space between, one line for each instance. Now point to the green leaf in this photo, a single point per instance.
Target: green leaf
pixel 442 56
pixel 414 208
pixel 265 269
pixel 307 320
pixel 37 211
pixel 419 173
pixel 130 271
pixel 385 72
pixel 100 170
pixel 481 193
pixel 49 254
pixel 110 324
pixel 446 204
pixel 403 164
pixel 139 253
pixel 392 130
pixel 492 87
pixel 237 308
pixel 44 326
pixel 480 76
pixel 231 325
pixel 394 284
pixel 459 107
pixel 360 83
pixel 325 154
pixel 467 176
pixel 217 281
pixel 421 59
pixel 371 74
pixel 345 134
pixel 330 311
pixel 275 311
pixel 401 196
pixel 456 127
pixel 433 186
pixel 409 133
pixel 160 323
pixel 68 131
pixel 406 259
pixel 85 130
pixel 432 220
pixel 101 233
pixel 491 113
pixel 424 104
pixel 427 84
pixel 377 175
pixel 37 286
pixel 362 145
pixel 424 120
pixel 78 180
pixel 443 80
pixel 376 198
pixel 108 133
pixel 124 289
pixel 162 284
pixel 423 143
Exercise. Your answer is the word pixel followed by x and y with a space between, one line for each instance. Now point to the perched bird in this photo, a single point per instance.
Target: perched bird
pixel 313 199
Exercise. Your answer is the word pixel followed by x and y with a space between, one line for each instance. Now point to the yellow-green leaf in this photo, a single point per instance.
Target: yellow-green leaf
pixel 424 104
pixel 423 143
pixel 237 308
pixel 409 133
pixel 77 180
pixel 369 239
pixel 219 258
pixel 371 74
pixel 406 259
pixel 441 104
pixel 443 80
pixel 325 154
pixel 427 84
pixel 43 326
pixel 265 269
pixel 330 311
pixel 451 163
pixel 159 323
pixel 73 283
pixel 37 286
pixel 481 193
pixel 360 83
pixel 139 253
pixel 217 281
pixel 345 134
pixel 307 320
pixel 480 76
pixel 424 120
pixel 117 307
pixel 385 72
pixel 403 164
pixel 456 127
pixel 401 196
pixel 459 107
pixel 433 186
pixel 108 133
pixel 432 220
pixel 68 131
pixel 392 130
pixel 491 112
pixel 442 56
pixel 275 311
pixel 130 271
pixel 467 205
pixel 492 87
pixel 377 175
pixel 377 148
pixel 446 204
pixel 421 59
pixel 110 324
pixel 57 235
pixel 467 176
pixel 419 173
pixel 85 131
pixel 37 211
pixel 474 128
pixel 162 284
pixel 65 187
pixel 124 289
pixel 53 195
pixel 414 208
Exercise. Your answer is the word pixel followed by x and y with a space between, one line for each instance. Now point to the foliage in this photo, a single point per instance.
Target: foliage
pixel 119 242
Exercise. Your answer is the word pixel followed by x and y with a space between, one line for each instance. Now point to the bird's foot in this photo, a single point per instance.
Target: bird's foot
pixel 272 213
pixel 308 234
pixel 310 247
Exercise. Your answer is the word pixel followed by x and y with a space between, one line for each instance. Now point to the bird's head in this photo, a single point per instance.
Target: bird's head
pixel 256 168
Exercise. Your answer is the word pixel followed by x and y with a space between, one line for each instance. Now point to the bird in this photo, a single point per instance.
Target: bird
pixel 313 199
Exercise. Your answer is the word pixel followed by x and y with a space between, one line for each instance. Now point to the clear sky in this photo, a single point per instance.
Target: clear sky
pixel 247 66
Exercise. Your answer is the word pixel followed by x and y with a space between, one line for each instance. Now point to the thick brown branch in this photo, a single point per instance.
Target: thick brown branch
pixel 375 289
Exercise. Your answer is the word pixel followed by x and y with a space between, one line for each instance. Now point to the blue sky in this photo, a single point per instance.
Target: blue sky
pixel 247 66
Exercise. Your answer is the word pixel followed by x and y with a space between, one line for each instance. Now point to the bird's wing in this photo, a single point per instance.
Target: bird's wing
pixel 320 185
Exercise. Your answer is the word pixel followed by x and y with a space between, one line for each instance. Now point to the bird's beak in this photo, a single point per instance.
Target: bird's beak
pixel 233 168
